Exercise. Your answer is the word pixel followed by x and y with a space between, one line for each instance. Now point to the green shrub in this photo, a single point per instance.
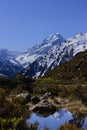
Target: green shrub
pixel 33 126
pixel 54 91
pixel 48 80
pixel 20 100
pixel 68 126
pixel 12 124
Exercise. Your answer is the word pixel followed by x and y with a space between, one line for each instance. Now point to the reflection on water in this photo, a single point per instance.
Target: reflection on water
pixel 53 121
pixel 85 124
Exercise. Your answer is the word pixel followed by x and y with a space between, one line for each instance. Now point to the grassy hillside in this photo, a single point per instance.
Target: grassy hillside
pixel 73 70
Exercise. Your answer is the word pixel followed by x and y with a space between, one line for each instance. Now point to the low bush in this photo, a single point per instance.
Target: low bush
pixel 68 126
pixel 12 124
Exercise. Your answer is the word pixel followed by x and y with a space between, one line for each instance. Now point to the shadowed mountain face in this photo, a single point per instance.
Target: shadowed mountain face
pixel 9 66
pixel 75 69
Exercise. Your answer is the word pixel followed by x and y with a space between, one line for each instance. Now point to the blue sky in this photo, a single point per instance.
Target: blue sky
pixel 27 22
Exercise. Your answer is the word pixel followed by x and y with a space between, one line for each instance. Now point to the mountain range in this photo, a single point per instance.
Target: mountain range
pixel 40 58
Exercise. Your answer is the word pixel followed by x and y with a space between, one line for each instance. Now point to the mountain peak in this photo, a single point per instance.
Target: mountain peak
pixel 79 34
pixel 54 37
pixel 78 37
pixel 39 50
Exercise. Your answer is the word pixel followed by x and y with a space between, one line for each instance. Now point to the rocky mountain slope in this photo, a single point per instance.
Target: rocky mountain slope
pixel 37 51
pixel 9 66
pixel 57 55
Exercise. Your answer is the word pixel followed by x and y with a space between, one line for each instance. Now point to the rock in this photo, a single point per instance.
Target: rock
pixel 24 95
pixel 52 97
pixel 35 99
pixel 46 95
pixel 23 98
pixel 44 108
pixel 56 102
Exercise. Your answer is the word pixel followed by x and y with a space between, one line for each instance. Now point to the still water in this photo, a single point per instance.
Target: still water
pixel 53 121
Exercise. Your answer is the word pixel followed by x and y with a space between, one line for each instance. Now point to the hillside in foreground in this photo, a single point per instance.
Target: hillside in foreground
pixel 73 70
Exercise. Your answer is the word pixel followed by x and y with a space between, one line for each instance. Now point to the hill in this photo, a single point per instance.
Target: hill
pixel 75 69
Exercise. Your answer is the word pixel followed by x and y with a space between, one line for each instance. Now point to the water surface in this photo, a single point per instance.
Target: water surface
pixel 85 124
pixel 53 121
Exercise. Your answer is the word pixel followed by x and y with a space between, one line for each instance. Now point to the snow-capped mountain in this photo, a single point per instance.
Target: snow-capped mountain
pixel 37 51
pixel 9 55
pixel 40 58
pixel 58 54
pixel 9 66
pixel 2 75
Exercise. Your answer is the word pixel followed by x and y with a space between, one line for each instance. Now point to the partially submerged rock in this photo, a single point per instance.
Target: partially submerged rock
pixel 35 99
pixel 44 108
pixel 46 95
pixel 56 102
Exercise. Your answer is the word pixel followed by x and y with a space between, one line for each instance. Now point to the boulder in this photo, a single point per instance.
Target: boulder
pixel 44 108
pixel 35 99
pixel 46 95
pixel 24 95
pixel 56 102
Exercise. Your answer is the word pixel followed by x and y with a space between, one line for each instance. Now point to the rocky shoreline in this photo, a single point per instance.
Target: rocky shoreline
pixel 47 104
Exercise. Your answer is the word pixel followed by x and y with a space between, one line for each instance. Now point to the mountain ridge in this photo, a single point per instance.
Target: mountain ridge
pixel 9 66
pixel 57 55
pixel 37 60
pixel 39 50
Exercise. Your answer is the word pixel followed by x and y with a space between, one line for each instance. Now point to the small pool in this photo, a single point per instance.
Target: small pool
pixel 52 121
pixel 85 124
